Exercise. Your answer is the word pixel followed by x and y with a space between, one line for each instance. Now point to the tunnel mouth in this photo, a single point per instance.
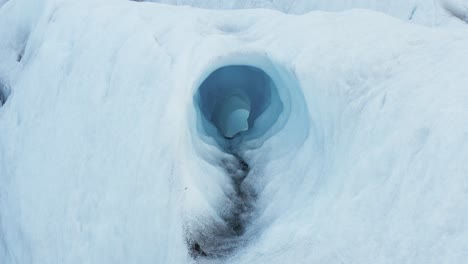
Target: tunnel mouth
pixel 238 100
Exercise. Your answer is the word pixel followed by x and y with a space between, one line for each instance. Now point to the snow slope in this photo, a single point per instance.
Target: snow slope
pixel 108 153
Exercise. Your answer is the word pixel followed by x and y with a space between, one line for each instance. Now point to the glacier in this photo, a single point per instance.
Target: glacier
pixel 138 132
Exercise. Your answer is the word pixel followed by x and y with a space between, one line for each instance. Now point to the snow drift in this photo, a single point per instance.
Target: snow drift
pixel 142 133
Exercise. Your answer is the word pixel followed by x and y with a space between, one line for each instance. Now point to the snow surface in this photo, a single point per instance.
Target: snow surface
pixel 360 155
pixel 426 12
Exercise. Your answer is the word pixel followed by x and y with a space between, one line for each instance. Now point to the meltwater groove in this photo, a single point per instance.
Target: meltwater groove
pixel 220 240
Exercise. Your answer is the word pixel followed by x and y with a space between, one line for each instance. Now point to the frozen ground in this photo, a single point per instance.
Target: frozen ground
pixel 123 136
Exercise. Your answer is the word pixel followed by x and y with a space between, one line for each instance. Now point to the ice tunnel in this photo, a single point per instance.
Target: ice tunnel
pixel 233 98
pixel 247 110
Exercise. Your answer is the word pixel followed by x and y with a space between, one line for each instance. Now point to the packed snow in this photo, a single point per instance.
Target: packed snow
pixel 136 132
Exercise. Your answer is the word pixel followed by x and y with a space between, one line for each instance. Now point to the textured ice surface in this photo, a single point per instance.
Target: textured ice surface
pixel 105 156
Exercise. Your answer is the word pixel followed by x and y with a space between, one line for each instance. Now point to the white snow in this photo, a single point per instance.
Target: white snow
pixel 357 138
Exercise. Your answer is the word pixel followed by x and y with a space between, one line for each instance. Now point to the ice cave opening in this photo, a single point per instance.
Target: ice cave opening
pixel 243 108
pixel 233 98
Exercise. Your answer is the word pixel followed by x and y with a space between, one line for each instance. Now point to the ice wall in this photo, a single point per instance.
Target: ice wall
pixel 105 156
